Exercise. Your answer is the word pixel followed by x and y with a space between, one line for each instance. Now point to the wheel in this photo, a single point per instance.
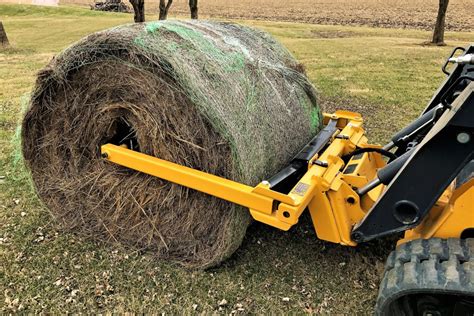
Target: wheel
pixel 429 277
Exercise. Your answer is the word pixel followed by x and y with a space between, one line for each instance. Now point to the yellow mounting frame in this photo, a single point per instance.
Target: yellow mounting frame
pixel 327 189
pixel 283 210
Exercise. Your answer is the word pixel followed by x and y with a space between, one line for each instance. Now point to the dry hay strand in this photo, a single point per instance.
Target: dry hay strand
pixel 217 97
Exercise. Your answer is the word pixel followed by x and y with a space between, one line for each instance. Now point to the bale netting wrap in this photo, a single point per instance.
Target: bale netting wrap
pixel 218 97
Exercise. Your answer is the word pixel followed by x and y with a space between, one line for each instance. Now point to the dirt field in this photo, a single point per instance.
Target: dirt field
pixel 417 14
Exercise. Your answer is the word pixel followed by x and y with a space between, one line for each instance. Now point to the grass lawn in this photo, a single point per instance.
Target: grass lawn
pixel 384 73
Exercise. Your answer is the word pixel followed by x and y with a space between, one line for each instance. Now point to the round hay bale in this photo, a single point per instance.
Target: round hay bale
pixel 218 97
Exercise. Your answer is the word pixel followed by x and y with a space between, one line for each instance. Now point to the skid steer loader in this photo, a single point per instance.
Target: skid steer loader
pixel 418 186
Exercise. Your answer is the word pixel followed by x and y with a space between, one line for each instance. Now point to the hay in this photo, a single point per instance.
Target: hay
pixel 218 97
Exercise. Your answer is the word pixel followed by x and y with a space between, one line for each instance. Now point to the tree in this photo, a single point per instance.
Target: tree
pixel 438 33
pixel 193 6
pixel 111 5
pixel 164 8
pixel 139 10
pixel 3 36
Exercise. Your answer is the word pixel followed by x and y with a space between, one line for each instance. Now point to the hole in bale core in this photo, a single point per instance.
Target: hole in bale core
pixel 123 133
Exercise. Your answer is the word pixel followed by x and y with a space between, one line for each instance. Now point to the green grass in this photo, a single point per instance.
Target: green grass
pixel 384 73
pixel 10 11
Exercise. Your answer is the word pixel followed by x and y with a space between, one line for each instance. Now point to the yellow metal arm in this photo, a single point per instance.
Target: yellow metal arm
pixel 222 188
pixel 259 199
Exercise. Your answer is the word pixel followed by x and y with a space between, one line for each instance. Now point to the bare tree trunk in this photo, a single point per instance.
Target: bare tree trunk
pixel 438 34
pixel 3 37
pixel 139 10
pixel 164 8
pixel 193 6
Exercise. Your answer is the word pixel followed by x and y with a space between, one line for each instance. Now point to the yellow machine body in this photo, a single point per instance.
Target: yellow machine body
pixel 327 189
pixel 452 215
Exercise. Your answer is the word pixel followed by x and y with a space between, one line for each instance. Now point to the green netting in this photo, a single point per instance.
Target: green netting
pixel 19 172
pixel 218 97
pixel 243 57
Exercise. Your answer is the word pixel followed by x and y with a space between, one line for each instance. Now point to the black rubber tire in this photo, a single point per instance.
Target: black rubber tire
pixel 418 270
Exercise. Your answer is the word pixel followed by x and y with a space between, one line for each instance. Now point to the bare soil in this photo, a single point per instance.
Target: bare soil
pixel 417 14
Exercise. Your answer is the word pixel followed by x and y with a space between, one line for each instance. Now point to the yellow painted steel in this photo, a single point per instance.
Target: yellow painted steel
pixel 450 217
pixel 327 189
pixel 201 181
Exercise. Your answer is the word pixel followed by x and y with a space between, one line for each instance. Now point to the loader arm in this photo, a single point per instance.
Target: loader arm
pixel 431 166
